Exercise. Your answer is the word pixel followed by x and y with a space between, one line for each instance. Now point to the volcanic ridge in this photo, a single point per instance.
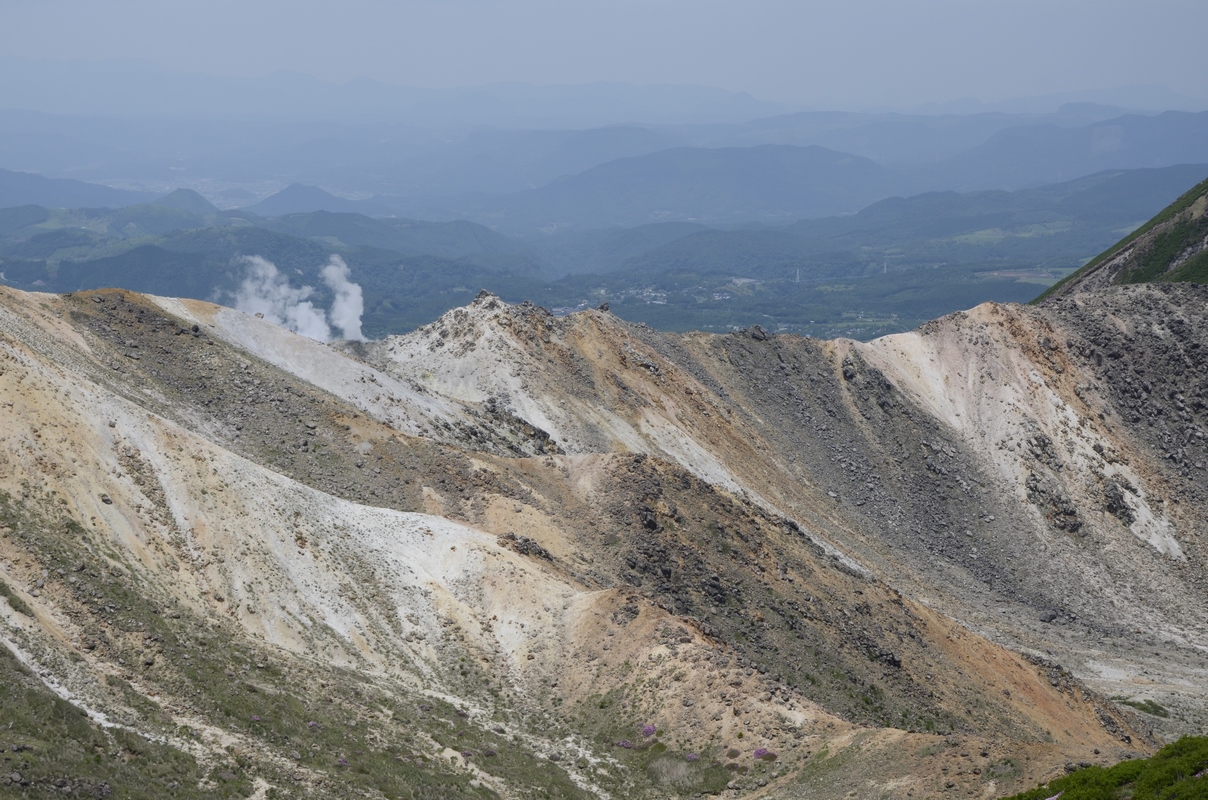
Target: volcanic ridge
pixel 518 555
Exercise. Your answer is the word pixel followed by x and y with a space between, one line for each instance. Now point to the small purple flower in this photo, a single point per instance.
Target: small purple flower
pixel 625 743
pixel 312 724
pixel 255 717
pixel 648 731
pixel 692 757
pixel 466 753
pixel 761 752
pixel 341 762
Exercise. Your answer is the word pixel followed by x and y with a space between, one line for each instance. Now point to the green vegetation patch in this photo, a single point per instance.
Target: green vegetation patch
pixel 1178 771
pixel 1148 706
pixel 50 747
pixel 1166 247
pixel 1165 243
pixel 1193 270
pixel 15 602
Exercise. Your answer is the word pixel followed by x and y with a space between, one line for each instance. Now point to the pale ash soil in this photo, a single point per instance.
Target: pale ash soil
pixel 927 560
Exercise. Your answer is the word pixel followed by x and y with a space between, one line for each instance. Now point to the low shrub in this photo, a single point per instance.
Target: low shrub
pixel 1179 771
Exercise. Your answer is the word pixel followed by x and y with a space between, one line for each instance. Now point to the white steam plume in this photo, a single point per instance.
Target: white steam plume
pixel 265 291
pixel 348 305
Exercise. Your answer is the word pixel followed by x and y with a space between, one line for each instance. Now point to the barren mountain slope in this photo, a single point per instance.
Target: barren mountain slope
pixel 966 462
pixel 478 557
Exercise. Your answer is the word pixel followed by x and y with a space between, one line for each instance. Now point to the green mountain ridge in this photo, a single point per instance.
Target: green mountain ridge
pixel 1171 247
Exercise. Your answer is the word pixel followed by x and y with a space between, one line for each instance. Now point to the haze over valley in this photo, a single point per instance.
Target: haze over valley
pixel 854 224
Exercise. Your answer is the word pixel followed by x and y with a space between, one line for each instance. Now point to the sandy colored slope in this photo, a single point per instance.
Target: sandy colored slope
pixel 512 551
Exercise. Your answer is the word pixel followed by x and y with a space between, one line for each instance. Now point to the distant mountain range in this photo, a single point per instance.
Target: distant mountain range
pixel 893 139
pixel 1051 226
pixel 531 180
pixel 1039 154
pixel 889 266
pixel 686 184
pixel 765 183
pixel 23 188
pixel 775 183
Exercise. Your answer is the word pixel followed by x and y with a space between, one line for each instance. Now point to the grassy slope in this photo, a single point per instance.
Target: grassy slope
pixel 50 743
pixel 1174 209
pixel 1176 772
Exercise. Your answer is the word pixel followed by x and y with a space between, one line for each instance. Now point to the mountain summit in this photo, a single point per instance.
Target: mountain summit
pixel 187 200
pixel 298 198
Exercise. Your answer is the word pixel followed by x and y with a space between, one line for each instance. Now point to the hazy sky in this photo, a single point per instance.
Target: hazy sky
pixel 840 53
